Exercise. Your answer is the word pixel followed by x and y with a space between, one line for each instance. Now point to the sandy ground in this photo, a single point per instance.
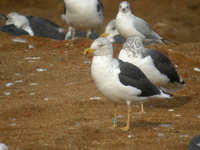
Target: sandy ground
pixel 46 87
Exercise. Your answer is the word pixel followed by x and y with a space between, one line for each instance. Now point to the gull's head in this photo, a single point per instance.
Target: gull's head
pixel 16 19
pixel 134 44
pixel 124 7
pixel 100 47
pixel 110 29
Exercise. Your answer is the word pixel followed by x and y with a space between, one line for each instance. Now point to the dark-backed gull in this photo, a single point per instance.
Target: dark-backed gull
pixel 34 26
pixel 194 144
pixel 155 65
pixel 120 81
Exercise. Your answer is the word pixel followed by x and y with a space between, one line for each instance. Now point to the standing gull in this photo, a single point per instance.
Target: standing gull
pixel 112 34
pixel 119 81
pixel 155 65
pixel 83 13
pixel 128 25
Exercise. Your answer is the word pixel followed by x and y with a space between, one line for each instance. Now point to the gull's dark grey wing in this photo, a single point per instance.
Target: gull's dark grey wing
pixel 100 8
pixel 44 28
pixel 13 30
pixel 130 75
pixel 194 144
pixel 119 39
pixel 164 65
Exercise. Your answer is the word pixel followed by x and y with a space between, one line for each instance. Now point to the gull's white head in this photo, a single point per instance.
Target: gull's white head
pixel 111 28
pixel 134 44
pixel 124 7
pixel 100 47
pixel 18 20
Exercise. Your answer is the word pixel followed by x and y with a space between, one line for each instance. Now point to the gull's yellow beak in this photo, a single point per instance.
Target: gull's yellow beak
pixel 104 34
pixel 88 50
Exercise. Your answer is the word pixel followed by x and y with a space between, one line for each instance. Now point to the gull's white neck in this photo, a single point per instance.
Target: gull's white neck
pixel 120 14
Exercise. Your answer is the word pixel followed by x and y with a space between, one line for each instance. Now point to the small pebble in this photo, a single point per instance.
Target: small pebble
pixel 46 98
pixel 7 93
pixel 30 46
pixel 196 69
pixel 32 93
pixel 18 81
pixel 17 74
pixel 87 62
pixel 120 116
pixel 32 58
pixel 19 40
pixel 170 110
pixel 33 84
pixel 155 128
pixel 13 124
pixel 95 98
pixel 166 125
pixel 9 84
pixel 161 134
pixel 130 136
pixel 12 119
pixel 184 135
pixel 170 50
pixel 178 115
pixel 41 69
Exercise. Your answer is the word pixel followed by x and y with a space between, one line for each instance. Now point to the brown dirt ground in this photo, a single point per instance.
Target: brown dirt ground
pixel 52 110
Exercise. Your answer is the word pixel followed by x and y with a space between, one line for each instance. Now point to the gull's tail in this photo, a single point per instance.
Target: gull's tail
pixel 164 95
pixel 166 41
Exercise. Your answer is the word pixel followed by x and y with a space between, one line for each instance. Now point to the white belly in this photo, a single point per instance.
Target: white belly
pixel 125 27
pixel 84 15
pixel 107 81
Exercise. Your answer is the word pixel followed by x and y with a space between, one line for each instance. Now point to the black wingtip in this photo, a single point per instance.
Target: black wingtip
pixel 166 41
pixel 182 82
pixel 165 92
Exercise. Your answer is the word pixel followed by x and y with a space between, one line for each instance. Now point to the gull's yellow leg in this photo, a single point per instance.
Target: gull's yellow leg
pixel 73 34
pixel 89 32
pixel 115 117
pixel 127 127
pixel 142 108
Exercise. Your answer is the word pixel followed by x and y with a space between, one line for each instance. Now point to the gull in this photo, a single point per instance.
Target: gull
pixel 83 13
pixel 35 26
pixel 119 81
pixel 128 25
pixel 155 65
pixel 3 146
pixel 112 34
pixel 194 143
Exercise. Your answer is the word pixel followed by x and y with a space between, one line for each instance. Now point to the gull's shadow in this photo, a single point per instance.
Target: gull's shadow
pixel 144 124
pixel 176 101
